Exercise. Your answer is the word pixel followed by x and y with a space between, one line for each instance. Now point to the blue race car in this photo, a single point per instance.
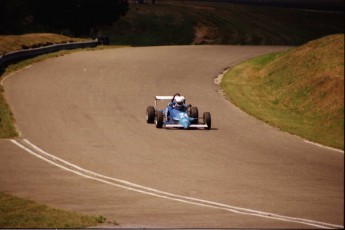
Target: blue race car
pixel 177 114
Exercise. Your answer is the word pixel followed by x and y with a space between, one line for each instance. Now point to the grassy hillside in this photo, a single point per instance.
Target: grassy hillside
pixel 184 22
pixel 300 91
pixel 19 213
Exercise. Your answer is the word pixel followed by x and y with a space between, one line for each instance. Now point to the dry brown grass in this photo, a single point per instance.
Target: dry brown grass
pixel 10 43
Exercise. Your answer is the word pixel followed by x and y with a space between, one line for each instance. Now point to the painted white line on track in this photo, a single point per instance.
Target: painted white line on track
pixel 11 74
pixel 325 147
pixel 41 154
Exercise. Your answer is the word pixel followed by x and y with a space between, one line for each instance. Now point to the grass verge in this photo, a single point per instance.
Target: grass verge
pixel 7 129
pixel 300 91
pixel 20 213
pixel 10 43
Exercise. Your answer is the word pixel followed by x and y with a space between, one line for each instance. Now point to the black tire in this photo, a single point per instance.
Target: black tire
pixel 150 115
pixel 159 120
pixel 207 119
pixel 194 113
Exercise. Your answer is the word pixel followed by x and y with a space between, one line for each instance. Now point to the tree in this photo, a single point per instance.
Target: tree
pixel 14 16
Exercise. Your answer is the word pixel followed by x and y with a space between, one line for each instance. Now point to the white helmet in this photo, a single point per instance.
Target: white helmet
pixel 180 100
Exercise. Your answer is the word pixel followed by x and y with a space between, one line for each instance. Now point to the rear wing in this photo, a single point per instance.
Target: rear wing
pixel 163 98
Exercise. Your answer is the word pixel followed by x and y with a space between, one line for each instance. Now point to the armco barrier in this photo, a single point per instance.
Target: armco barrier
pixel 22 54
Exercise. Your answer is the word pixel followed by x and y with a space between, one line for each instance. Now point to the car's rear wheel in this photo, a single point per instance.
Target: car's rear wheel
pixel 194 113
pixel 207 119
pixel 150 114
pixel 159 120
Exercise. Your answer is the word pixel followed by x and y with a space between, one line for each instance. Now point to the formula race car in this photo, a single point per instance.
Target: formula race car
pixel 177 114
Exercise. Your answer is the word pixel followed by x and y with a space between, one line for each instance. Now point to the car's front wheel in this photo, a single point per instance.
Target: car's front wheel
pixel 159 120
pixel 207 119
pixel 150 114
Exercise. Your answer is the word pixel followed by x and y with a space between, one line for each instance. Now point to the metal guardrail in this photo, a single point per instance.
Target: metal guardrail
pixel 27 53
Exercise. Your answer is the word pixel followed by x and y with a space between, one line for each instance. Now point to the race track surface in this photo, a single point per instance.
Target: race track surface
pixel 88 109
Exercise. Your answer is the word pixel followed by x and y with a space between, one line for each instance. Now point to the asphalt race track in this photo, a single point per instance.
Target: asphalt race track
pixel 85 146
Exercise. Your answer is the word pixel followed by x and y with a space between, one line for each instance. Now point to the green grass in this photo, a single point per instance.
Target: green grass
pixel 301 91
pixel 7 129
pixel 20 213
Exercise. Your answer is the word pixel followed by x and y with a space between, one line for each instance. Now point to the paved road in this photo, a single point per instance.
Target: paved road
pixel 88 108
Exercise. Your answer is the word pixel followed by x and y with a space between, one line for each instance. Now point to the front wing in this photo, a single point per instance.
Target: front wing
pixel 180 126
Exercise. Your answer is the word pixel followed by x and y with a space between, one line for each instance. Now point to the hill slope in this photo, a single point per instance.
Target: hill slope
pixel 300 91
pixel 183 22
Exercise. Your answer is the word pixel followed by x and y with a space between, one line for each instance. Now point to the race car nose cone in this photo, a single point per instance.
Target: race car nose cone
pixel 185 123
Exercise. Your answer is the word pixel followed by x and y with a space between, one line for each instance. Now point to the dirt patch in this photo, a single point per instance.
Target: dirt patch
pixel 205 34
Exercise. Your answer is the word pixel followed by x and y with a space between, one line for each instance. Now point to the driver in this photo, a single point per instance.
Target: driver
pixel 179 104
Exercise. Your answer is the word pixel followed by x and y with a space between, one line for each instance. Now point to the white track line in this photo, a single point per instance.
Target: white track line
pixel 325 147
pixel 37 152
pixel 11 74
